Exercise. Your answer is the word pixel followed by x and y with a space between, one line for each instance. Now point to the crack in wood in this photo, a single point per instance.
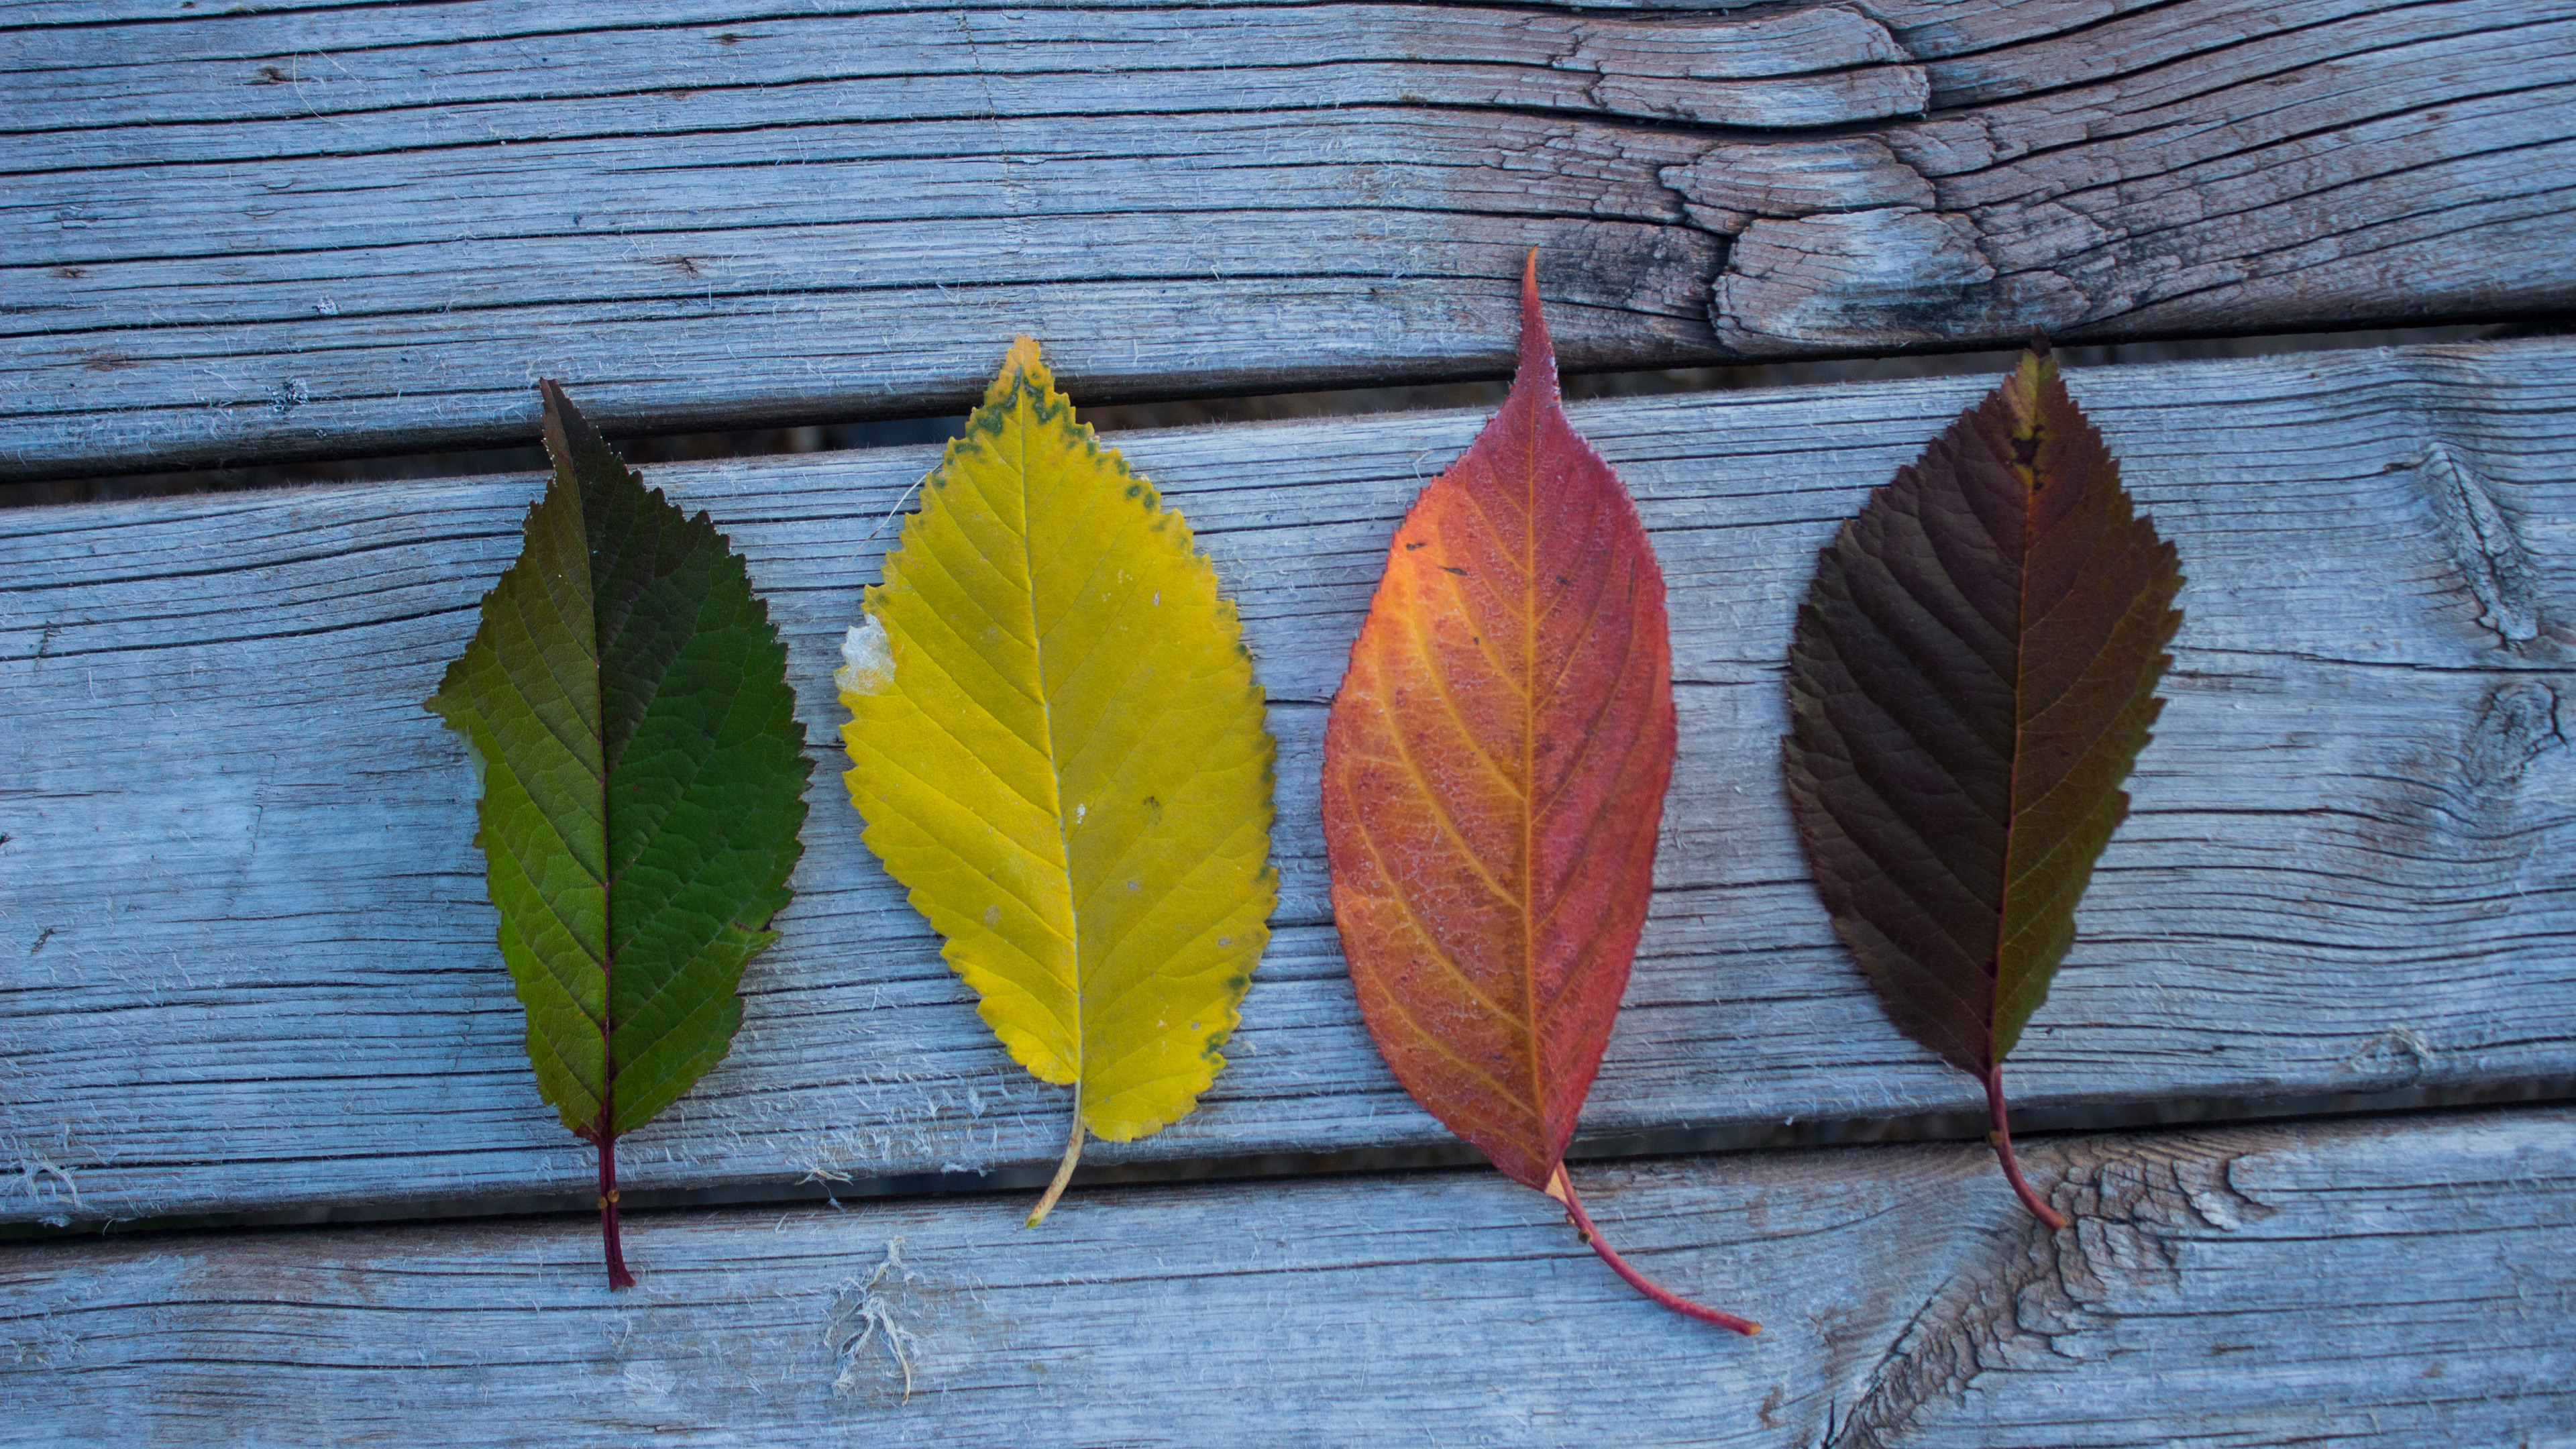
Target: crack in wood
pixel 2129 1202
pixel 1710 186
pixel 2485 543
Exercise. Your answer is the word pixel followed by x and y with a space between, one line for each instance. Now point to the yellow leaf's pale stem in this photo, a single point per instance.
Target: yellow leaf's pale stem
pixel 1064 1171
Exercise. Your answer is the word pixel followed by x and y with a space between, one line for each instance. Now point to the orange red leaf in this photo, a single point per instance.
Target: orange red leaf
pixel 1494 775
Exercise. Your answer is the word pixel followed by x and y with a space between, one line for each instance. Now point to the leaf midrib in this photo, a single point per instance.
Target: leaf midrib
pixel 2012 766
pixel 1529 766
pixel 597 683
pixel 1024 399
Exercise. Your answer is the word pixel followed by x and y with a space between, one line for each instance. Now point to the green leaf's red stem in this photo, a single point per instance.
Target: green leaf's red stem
pixel 618 1277
pixel 2001 1137
pixel 1668 1298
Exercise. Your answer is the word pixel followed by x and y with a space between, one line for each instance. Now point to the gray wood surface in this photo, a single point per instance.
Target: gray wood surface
pixel 2398 1282
pixel 314 231
pixel 246 960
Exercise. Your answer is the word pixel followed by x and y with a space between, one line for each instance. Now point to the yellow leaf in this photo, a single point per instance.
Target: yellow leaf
pixel 1056 740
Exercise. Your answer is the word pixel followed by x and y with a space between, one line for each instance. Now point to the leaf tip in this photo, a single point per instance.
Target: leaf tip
pixel 2039 343
pixel 557 407
pixel 1022 361
pixel 1537 352
pixel 571 440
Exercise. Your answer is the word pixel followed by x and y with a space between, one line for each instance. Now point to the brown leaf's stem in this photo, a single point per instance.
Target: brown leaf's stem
pixel 1063 1172
pixel 618 1277
pixel 2000 1136
pixel 1561 1188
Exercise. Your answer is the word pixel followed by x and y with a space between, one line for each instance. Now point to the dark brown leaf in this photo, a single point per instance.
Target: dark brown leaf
pixel 1973 674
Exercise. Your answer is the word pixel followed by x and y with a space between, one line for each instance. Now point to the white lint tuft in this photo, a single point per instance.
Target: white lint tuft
pixel 867 663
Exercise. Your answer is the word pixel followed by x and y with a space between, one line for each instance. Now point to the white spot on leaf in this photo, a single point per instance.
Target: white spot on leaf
pixel 867 663
pixel 475 764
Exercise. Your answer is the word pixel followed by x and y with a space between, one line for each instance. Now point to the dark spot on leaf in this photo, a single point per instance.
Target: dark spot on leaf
pixel 1453 568
pixel 1410 547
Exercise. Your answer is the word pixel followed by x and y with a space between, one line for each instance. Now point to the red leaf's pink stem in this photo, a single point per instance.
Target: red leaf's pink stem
pixel 1562 1189
pixel 2001 1137
pixel 618 1277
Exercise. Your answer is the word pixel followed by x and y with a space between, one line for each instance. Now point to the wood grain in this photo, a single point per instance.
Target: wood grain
pixel 246 960
pixel 315 231
pixel 2391 1282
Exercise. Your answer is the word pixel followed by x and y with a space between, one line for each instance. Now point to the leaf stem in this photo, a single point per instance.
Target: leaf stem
pixel 618 1277
pixel 1063 1173
pixel 2000 1137
pixel 1561 1188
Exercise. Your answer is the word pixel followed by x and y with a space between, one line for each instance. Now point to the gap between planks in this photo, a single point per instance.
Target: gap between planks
pixel 2393 1282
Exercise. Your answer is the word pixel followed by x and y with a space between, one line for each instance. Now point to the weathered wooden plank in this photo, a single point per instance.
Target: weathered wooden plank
pixel 307 231
pixel 246 961
pixel 2391 1282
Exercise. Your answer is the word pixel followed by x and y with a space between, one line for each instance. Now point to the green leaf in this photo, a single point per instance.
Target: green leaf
pixel 1973 675
pixel 625 702
pixel 1056 740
